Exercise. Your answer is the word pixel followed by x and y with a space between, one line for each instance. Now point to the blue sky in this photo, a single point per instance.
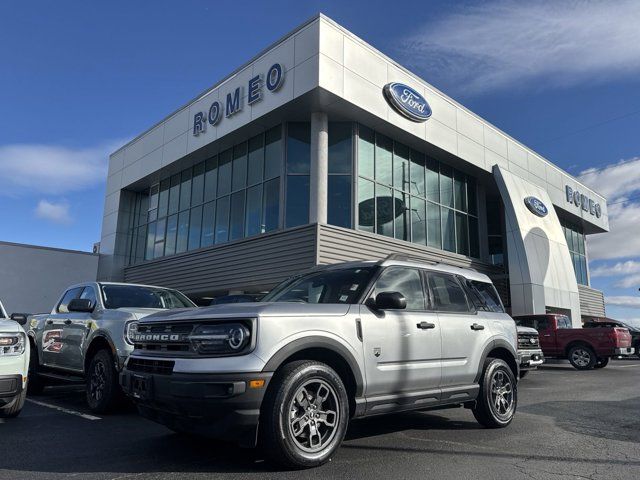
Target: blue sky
pixel 80 78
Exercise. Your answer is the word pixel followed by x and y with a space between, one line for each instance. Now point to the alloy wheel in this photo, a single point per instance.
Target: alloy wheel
pixel 314 415
pixel 97 381
pixel 581 357
pixel 501 394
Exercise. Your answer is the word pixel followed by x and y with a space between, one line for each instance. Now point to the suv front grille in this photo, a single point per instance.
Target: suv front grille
pixel 164 338
pixel 528 341
pixel 144 365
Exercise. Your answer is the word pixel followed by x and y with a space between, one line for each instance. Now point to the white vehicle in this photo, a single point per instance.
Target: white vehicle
pixel 14 365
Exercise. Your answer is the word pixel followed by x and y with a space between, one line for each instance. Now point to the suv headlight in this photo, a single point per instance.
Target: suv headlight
pixel 130 329
pixel 220 339
pixel 12 344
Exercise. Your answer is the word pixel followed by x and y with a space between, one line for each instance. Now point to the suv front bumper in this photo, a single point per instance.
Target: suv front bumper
pixel 10 388
pixel 625 351
pixel 530 359
pixel 215 405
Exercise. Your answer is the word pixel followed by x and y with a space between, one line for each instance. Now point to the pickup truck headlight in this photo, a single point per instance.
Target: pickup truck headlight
pixel 12 344
pixel 220 339
pixel 130 329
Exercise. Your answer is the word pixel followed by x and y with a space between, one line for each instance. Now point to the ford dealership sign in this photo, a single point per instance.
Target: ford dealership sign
pixel 407 102
pixel 536 206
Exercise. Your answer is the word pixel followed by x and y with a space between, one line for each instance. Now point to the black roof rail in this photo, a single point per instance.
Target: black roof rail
pixel 408 258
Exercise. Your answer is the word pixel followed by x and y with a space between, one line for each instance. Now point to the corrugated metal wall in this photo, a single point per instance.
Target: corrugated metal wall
pixel 591 302
pixel 252 263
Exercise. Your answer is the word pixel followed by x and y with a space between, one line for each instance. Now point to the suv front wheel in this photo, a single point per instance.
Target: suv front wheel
pixel 305 415
pixel 498 397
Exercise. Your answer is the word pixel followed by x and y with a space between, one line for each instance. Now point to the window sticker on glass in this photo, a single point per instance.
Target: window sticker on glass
pixel 343 298
pixel 354 287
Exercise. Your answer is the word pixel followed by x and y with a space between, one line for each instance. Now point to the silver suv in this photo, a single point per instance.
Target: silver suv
pixel 337 342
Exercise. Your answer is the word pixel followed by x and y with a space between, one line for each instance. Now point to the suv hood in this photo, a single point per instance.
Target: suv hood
pixel 251 310
pixel 526 330
pixel 139 313
pixel 9 326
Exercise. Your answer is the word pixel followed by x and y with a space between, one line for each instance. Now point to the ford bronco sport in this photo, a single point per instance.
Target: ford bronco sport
pixel 334 343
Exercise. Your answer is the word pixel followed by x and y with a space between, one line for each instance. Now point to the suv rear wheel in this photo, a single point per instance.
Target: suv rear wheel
pixel 582 357
pixel 498 398
pixel 305 415
pixel 602 362
pixel 103 391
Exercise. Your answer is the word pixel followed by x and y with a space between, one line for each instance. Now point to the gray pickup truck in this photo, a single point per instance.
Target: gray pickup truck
pixel 84 338
pixel 335 343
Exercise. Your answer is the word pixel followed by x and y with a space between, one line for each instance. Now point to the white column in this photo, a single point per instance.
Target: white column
pixel 319 167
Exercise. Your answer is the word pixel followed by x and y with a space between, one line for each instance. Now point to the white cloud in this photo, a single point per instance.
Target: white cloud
pixel 620 268
pixel 54 212
pixel 620 183
pixel 502 44
pixel 623 301
pixel 52 169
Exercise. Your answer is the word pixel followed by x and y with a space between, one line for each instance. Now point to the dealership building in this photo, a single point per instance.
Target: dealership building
pixel 321 149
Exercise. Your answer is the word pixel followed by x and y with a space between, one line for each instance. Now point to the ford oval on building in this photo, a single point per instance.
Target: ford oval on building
pixel 407 102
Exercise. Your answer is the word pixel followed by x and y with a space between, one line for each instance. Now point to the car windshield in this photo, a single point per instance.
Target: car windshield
pixel 344 285
pixel 135 296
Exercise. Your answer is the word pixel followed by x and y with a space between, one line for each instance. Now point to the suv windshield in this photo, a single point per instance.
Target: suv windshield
pixel 343 285
pixel 134 296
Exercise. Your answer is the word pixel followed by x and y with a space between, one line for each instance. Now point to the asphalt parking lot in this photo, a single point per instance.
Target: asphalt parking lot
pixel 569 424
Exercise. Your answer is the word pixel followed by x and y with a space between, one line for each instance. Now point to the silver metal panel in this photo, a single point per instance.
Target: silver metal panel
pixel 591 302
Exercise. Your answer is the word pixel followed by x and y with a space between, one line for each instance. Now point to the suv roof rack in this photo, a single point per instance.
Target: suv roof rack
pixel 408 258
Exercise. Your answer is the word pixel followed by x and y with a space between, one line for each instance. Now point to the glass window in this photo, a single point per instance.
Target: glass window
pixel 447 293
pixel 575 243
pixel 88 293
pixel 208 224
pixel 195 228
pixel 402 211
pixel 158 249
pixel 222 220
pixel 384 160
pixel 406 281
pixel 271 213
pixel 366 142
pixel 474 240
pixel 136 296
pixel 417 173
pixel 460 192
pixel 185 190
pixel 297 211
pixel 339 201
pixel 472 196
pixel 366 206
pixel 487 295
pixel 446 185
pixel 433 181
pixel 496 250
pixel 163 199
pixel 256 160
pixel 151 238
pixel 384 211
pixel 236 229
pixel 183 232
pixel 448 229
pixel 211 179
pixel 253 216
pixel 273 152
pixel 69 295
pixel 172 232
pixel 340 134
pixel 298 147
pixel 174 194
pixel 401 167
pixel 153 196
pixel 434 231
pixel 197 184
pixel 140 243
pixel 239 167
pixel 563 321
pixel 462 234
pixel 418 221
pixel 224 172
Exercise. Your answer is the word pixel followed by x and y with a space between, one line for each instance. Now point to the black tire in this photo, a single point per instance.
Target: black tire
pixel 602 362
pixel 286 408
pixel 497 382
pixel 102 388
pixel 35 385
pixel 582 357
pixel 14 409
pixel 523 373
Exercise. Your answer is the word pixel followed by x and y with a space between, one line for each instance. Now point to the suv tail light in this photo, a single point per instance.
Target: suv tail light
pixel 620 334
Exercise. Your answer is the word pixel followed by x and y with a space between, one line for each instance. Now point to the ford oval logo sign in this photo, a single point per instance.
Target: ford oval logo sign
pixel 536 206
pixel 407 102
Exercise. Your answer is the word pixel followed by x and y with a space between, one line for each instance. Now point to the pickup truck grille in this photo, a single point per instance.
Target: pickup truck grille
pixel 143 365
pixel 528 341
pixel 164 338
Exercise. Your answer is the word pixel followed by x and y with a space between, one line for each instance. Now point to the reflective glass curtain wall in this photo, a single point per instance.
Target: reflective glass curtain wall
pixel 576 243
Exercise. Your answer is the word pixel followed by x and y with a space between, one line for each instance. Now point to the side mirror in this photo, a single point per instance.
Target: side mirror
pixel 21 318
pixel 390 301
pixel 81 305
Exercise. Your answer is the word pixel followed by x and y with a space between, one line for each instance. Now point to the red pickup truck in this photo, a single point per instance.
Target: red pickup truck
pixel 585 348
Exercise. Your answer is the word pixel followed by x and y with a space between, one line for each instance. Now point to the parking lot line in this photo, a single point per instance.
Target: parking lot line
pixel 627 366
pixel 64 410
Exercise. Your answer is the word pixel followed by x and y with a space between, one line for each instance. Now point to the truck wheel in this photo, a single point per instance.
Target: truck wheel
pixel 602 362
pixel 305 415
pixel 523 373
pixel 14 409
pixel 102 387
pixel 498 397
pixel 35 385
pixel 582 357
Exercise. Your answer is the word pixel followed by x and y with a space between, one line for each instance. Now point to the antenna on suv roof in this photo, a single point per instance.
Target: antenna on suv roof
pixel 408 258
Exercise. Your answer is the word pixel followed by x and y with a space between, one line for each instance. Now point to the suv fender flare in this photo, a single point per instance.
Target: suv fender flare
pixel 99 335
pixel 492 345
pixel 321 342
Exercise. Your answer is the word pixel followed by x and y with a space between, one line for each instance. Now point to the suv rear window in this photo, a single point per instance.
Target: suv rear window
pixel 484 296
pixel 448 294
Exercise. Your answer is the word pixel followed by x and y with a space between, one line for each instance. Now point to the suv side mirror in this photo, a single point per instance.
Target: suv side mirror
pixel 21 318
pixel 390 301
pixel 81 305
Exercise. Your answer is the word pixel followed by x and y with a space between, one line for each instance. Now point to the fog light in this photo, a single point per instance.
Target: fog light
pixel 256 384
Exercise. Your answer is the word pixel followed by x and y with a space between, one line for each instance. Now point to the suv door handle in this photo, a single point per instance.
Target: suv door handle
pixel 425 325
pixel 477 326
pixel 67 322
